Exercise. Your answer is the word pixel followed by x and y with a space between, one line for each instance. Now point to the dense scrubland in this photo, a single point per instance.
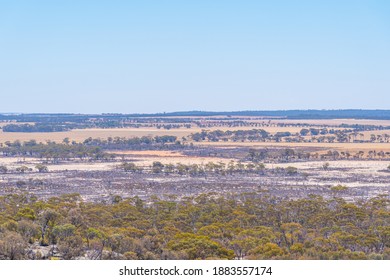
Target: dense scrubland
pixel 208 226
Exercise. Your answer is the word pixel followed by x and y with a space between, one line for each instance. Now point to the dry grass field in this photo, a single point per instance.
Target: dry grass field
pixel 80 135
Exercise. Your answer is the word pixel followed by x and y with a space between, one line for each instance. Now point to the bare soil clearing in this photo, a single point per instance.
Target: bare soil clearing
pixel 95 181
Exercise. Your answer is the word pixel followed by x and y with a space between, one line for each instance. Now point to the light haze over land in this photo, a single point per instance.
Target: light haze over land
pixel 155 56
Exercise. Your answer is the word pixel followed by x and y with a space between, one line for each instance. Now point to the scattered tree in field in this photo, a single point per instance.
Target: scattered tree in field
pixel 339 188
pixel 157 167
pixel 41 168
pixel 23 169
pixel 290 170
pixel 3 169
pixel 130 167
pixel 325 166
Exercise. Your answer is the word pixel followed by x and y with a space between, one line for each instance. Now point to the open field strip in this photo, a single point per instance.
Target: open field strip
pixel 144 159
pixel 367 134
pixel 332 121
pixel 351 147
pixel 80 135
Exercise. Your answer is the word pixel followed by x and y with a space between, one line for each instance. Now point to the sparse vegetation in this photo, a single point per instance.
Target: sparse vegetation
pixel 326 165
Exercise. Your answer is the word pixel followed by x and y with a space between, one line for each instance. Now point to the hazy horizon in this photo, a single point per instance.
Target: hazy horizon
pixel 194 111
pixel 149 57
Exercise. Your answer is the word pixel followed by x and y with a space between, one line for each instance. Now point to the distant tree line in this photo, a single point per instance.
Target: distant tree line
pixel 35 128
pixel 136 143
pixel 198 169
pixel 90 149
pixel 236 135
pixel 52 151
pixel 294 155
pixel 306 135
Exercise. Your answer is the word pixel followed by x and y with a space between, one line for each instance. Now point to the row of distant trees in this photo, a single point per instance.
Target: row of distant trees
pixel 35 128
pixel 205 169
pixel 41 168
pixel 90 149
pixel 322 135
pixel 291 155
pixel 53 152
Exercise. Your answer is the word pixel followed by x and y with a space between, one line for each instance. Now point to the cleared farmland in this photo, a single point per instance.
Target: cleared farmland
pixel 204 164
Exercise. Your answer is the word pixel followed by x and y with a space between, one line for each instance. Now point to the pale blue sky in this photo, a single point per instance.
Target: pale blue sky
pixel 153 56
